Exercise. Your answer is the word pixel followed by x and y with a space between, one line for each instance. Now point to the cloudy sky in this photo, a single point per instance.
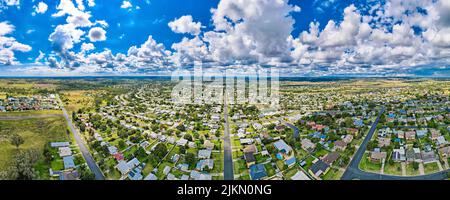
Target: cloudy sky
pixel 156 37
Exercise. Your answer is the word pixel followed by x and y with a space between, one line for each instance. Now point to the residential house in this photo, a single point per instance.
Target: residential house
pixel 195 175
pixel 208 145
pixel 441 141
pixel 182 142
pixel 65 151
pixel 257 172
pixel 340 145
pixel 68 162
pixel 377 156
pixel 166 170
pixel 112 150
pixel 135 174
pixel 69 175
pixel 384 142
pixel 417 155
pixel 175 158
pixel 353 131
pixel 290 162
pixel 400 134
pixel 421 133
pixel 428 157
pixel 249 159
pixel 435 134
pixel 347 139
pixel 151 177
pixel 59 144
pixel 126 167
pixel 246 141
pixel 207 163
pixel 410 135
pixel 282 147
pixel 251 149
pixel 330 158
pixel 300 176
pixel 445 152
pixel 399 155
pixel 204 154
pixel 410 155
pixel 319 168
pixel 307 145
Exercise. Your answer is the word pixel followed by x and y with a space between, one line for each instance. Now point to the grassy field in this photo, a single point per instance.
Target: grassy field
pixel 395 169
pixel 333 174
pixel 367 165
pixel 431 168
pixel 77 99
pixel 36 133
pixel 34 113
pixel 410 171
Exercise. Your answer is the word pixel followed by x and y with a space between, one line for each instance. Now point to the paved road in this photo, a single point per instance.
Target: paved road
pixel 354 173
pixel 296 130
pixel 228 173
pixel 84 150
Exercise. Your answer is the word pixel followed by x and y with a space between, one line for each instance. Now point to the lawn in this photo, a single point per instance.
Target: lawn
pixel 367 165
pixel 333 174
pixel 78 99
pixel 237 154
pixel 321 153
pixel 431 168
pixel 33 113
pixel 218 162
pixel 240 166
pixel 290 172
pixel 161 167
pixel 36 133
pixel 270 170
pixel 394 169
pixel 147 169
pixel 410 170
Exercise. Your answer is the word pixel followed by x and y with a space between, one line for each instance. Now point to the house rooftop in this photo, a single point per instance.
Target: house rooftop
pixel 257 172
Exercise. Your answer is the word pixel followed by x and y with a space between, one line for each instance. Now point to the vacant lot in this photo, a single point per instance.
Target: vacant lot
pixel 36 133
pixel 75 100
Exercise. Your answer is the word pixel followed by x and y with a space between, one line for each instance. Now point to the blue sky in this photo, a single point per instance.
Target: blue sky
pixel 392 37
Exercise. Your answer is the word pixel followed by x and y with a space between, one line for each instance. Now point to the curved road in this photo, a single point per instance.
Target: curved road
pixel 84 150
pixel 354 173
pixel 296 130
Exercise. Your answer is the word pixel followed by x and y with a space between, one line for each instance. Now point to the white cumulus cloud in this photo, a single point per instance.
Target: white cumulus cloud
pixel 41 8
pixel 97 34
pixel 126 4
pixel 185 24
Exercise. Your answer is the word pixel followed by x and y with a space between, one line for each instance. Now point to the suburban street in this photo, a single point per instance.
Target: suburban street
pixel 84 150
pixel 228 173
pixel 296 131
pixel 354 173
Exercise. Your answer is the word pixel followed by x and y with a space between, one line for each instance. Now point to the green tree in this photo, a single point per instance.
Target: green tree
pixel 190 159
pixel 86 174
pixel 22 167
pixel 17 140
pixel 188 137
pixel 415 165
pixel 160 150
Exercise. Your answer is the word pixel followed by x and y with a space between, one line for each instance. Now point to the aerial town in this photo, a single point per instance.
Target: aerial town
pixel 131 129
